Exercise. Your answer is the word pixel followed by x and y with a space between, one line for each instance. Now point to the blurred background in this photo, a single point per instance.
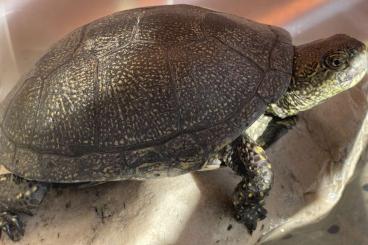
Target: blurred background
pixel 29 27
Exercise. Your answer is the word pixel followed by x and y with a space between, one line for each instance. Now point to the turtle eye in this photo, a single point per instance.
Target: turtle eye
pixel 336 61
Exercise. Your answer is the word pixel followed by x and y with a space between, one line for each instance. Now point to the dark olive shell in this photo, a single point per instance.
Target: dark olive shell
pixel 144 92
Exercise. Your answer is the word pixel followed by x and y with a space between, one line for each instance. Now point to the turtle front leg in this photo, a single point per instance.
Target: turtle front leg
pixel 17 196
pixel 249 161
pixel 276 128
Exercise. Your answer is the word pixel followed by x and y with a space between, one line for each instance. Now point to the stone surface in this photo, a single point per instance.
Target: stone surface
pixel 345 224
pixel 312 163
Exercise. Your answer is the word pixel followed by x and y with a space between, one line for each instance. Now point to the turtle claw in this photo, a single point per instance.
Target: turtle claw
pixel 248 205
pixel 11 225
pixel 249 215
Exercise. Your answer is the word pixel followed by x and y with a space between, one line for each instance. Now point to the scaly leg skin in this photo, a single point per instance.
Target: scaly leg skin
pixel 250 162
pixel 17 196
pixel 276 128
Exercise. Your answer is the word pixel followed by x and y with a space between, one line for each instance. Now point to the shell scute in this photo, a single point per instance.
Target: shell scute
pixel 132 96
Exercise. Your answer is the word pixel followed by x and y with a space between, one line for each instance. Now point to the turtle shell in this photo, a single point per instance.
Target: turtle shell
pixel 142 93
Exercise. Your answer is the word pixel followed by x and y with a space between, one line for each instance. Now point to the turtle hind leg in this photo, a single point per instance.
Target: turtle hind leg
pixel 11 225
pixel 17 196
pixel 250 162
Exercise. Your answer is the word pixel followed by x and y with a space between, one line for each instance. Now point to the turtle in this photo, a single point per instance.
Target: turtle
pixel 159 92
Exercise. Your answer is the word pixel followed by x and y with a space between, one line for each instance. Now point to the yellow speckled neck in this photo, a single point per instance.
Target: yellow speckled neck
pixel 315 79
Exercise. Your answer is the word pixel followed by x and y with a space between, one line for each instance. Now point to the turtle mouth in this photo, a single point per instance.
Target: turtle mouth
pixel 357 70
pixel 362 48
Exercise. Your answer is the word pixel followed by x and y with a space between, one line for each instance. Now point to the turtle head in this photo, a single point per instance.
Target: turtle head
pixel 322 69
